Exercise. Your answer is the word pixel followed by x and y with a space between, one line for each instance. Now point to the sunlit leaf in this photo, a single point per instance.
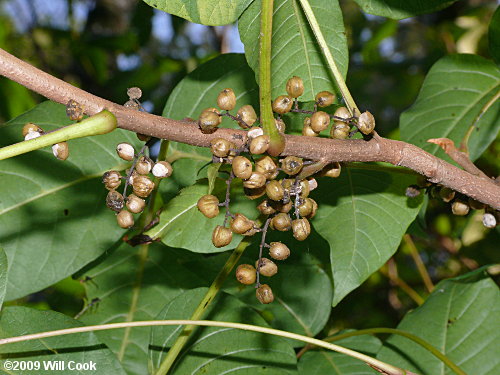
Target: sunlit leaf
pixel 295 51
pixel 397 9
pixel 460 319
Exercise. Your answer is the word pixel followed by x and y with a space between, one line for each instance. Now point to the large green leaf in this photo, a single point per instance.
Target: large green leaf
pixel 206 12
pixel 399 9
pixel 494 36
pixel 129 290
pixel 70 350
pixel 3 276
pixel 454 93
pixel 295 51
pixel 53 218
pixel 461 319
pixel 216 350
pixel 332 363
pixel 199 90
pixel 362 214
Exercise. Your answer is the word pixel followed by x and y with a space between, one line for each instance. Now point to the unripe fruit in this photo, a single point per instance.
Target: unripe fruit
pixel 340 131
pixel 135 204
pixel 134 93
pixel 265 208
pixel 254 193
pixel 256 180
pixel 142 186
pixel 275 191
pixel 114 200
pixel 325 98
pixel 280 125
pixel 446 194
pixel 246 274
pixel 267 167
pixel 460 208
pixel 221 236
pixel 264 294
pixel 208 121
pixel 332 170
pixel 125 219
pixel 341 112
pixel 282 104
pixel 295 87
pixel 162 169
pixel 366 123
pixel 489 220
pixel 320 121
pixel 279 251
pixel 143 166
pixel 307 130
pixel 208 205
pixel 242 167
pixel 281 222
pixel 61 150
pixel 226 99
pixel 221 147
pixel 241 224
pixel 111 179
pixel 125 151
pixel 247 115
pixel 267 267
pixel 74 110
pixel 30 127
pixel 305 209
pixel 301 229
pixel 259 144
pixel 291 165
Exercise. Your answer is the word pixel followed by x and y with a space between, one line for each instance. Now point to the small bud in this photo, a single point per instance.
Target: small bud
pixel 282 104
pixel 208 121
pixel 142 186
pixel 256 180
pixel 291 165
pixel 366 123
pixel 265 208
pixel 259 144
pixel 61 150
pixel 135 204
pixel 31 128
pixel 267 267
pixel 264 294
pixel 460 208
pixel 489 220
pixel 134 93
pixel 143 166
pixel 74 110
pixel 125 219
pixel 221 236
pixel 247 115
pixel 246 274
pixel 241 224
pixel 162 169
pixel 114 200
pixel 320 121
pixel 295 87
pixel 242 167
pixel 125 151
pixel 208 205
pixel 281 222
pixel 111 179
pixel 226 99
pixel 325 98
pixel 279 251
pixel 275 191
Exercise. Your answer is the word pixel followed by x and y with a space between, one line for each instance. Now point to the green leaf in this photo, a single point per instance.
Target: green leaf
pixel 461 319
pixel 494 36
pixel 206 12
pixel 216 350
pixel 453 94
pixel 4 267
pixel 212 173
pixel 362 214
pixel 123 278
pixel 295 51
pixel 398 9
pixel 199 90
pixel 70 350
pixel 332 363
pixel 182 225
pixel 53 217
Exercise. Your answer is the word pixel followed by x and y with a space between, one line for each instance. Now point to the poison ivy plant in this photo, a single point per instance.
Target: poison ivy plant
pixel 69 350
pixel 215 350
pixel 295 51
pixel 55 211
pixel 398 9
pixel 212 12
pixel 362 214
pixel 459 318
pixel 453 95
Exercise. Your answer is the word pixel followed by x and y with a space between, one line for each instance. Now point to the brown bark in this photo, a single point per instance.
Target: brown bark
pixel 376 149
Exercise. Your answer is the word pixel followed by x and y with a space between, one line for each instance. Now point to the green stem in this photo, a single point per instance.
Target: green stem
pixel 202 307
pixel 349 101
pixel 101 123
pixel 381 366
pixel 277 141
pixel 409 336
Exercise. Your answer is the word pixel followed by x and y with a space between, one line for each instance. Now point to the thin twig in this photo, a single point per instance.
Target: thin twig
pixel 261 247
pixel 393 276
pixel 419 263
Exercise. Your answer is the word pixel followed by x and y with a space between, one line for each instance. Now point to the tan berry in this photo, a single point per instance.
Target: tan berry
pixel 143 165
pixel 256 180
pixel 340 131
pixel 279 251
pixel 307 130
pixel 460 208
pixel 135 204
pixel 242 167
pixel 267 167
pixel 246 274
pixel 332 170
pixel 134 93
pixel 114 200
pixel 343 113
pixel 254 132
pixel 208 121
pixel 226 99
pixel 264 294
pixel 281 222
pixel 295 87
pixel 366 123
pixel 446 194
pixel 125 151
pixel 267 267
pixel 31 128
pixel 241 224
pixel 320 121
pixel 221 147
pixel 247 115
pixel 208 205
pixel 282 104
pixel 291 165
pixel 274 190
pixel 221 236
pixel 162 169
pixel 74 110
pixel 254 193
pixel 61 150
pixel 142 186
pixel 266 208
pixel 111 179
pixel 125 219
pixel 259 144
pixel 301 229
pixel 489 220
pixel 306 208
pixel 325 98
pixel 475 205
pixel 280 125
pixel 283 207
